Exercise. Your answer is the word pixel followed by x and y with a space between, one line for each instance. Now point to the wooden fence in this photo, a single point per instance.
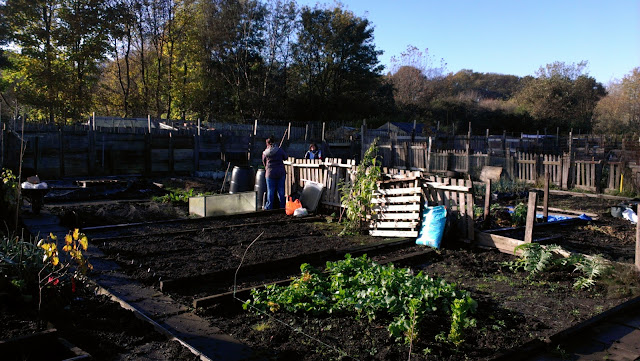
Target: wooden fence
pixel 565 170
pixel 330 172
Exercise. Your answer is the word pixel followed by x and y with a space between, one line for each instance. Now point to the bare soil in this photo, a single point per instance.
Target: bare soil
pixel 93 323
pixel 513 308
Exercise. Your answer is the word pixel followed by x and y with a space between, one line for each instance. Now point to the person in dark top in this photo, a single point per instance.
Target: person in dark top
pixel 313 152
pixel 273 159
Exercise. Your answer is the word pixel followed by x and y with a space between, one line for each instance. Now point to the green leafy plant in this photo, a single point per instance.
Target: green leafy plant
pixel 360 286
pixel 519 215
pixel 537 258
pixel 356 195
pixel 505 185
pixel 591 267
pixel 177 195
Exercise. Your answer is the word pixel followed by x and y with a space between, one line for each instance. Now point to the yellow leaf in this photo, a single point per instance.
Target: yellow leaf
pixel 84 242
pixel 66 248
pixel 76 234
pixel 55 261
pixel 53 236
pixel 67 239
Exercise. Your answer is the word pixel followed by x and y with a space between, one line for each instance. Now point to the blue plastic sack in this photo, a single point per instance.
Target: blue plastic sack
pixel 434 220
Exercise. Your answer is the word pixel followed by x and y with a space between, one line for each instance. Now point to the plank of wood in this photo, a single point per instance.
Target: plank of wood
pixel 398 191
pixel 390 216
pixel 396 224
pixel 397 208
pixel 439 185
pixel 531 217
pixel 398 199
pixel 411 234
pixel 502 243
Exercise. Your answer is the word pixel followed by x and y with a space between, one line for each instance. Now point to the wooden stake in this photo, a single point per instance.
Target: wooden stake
pixel 545 200
pixel 531 217
pixel 487 201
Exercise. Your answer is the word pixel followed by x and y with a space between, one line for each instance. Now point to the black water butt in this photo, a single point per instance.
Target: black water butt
pixel 241 179
pixel 260 188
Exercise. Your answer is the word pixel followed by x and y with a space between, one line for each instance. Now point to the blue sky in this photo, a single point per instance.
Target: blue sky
pixel 508 36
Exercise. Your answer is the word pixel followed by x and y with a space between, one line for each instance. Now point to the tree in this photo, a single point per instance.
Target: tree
pixel 37 70
pixel 619 111
pixel 561 96
pixel 280 26
pixel 336 67
pixel 60 46
pixel 83 42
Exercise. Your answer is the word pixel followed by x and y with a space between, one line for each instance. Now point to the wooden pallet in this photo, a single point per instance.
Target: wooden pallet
pixel 396 211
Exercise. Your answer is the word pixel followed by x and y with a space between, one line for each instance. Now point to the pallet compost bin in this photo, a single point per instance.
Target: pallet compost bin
pixel 221 204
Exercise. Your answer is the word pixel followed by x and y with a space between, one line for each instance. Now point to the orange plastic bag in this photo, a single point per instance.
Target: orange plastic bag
pixel 291 206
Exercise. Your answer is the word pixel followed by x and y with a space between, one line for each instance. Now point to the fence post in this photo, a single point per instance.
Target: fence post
pixel 61 151
pixel 171 159
pixel 196 149
pixel 487 201
pixel 92 144
pixel 566 171
pixel 531 217
pixel 598 176
pixel 429 156
pixel 504 142
pixel 545 199
pixel 468 156
pixel 510 166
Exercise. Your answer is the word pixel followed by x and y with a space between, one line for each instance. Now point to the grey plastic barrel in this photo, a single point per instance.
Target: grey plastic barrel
pixel 260 187
pixel 241 179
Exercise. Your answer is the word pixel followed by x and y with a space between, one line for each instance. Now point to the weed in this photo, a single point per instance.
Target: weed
pixel 261 326
pixel 575 312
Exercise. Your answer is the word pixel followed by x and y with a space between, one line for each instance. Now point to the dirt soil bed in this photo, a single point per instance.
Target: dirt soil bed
pixel 512 310
pixel 96 325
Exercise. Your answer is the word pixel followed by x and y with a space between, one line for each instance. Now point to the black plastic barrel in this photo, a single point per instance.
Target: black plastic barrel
pixel 260 187
pixel 241 179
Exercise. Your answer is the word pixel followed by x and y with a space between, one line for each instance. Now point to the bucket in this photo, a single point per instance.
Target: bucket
pixel 260 188
pixel 241 179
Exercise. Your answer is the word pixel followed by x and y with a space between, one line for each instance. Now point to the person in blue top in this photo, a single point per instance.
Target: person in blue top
pixel 313 152
pixel 273 159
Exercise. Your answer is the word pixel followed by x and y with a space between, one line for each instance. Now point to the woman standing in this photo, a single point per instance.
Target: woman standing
pixel 273 159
